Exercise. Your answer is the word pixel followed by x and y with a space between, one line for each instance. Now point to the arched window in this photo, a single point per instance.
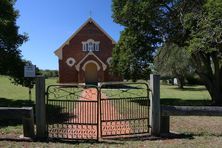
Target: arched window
pixel 91 46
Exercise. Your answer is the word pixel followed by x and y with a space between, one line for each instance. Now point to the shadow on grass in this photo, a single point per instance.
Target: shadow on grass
pixel 53 112
pixel 59 141
pixel 122 140
pixel 149 137
pixel 4 102
pixel 191 89
pixel 176 102
pixel 108 140
pixel 181 102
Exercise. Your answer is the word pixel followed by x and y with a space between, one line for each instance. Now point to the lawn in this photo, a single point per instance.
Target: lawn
pixel 188 93
pixel 189 131
pixel 14 92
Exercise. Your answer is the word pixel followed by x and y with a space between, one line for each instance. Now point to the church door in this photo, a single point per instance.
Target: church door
pixel 91 73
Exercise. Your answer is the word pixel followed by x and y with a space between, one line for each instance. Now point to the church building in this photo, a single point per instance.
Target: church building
pixel 86 56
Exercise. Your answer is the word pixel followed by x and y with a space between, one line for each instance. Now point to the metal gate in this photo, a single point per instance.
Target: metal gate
pixel 72 112
pixel 91 112
pixel 124 109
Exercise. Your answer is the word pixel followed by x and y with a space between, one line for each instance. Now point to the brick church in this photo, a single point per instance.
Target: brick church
pixel 85 57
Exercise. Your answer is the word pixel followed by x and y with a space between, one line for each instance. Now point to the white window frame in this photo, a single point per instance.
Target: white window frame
pixel 87 47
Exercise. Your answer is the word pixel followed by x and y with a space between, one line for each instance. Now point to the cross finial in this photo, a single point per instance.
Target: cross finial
pixel 90 13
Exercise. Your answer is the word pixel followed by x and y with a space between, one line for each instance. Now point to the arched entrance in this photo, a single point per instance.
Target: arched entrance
pixel 91 73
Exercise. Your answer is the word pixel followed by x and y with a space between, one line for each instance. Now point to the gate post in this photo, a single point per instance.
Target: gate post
pixel 155 104
pixel 99 125
pixel 40 107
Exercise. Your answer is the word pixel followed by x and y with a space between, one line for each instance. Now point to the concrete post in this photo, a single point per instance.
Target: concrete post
pixel 28 125
pixel 165 124
pixel 155 104
pixel 40 108
pixel 99 114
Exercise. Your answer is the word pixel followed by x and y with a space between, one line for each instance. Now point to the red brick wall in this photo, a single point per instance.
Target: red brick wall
pixel 74 49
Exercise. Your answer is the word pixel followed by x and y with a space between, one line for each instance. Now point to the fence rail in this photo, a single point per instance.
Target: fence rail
pixel 167 111
pixel 16 113
pixel 191 111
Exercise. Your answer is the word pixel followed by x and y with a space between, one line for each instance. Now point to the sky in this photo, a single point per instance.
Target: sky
pixel 49 23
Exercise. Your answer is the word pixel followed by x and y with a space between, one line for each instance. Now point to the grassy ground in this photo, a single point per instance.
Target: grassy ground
pixel 190 95
pixel 10 91
pixel 188 131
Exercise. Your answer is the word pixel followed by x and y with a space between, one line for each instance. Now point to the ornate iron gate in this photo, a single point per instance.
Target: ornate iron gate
pixel 72 112
pixel 124 109
pixel 90 112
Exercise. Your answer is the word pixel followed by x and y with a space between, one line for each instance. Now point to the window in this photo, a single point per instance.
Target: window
pixel 70 62
pixel 90 45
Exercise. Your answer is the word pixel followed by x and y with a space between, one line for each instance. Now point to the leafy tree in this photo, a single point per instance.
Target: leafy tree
pixel 193 25
pixel 17 76
pixel 11 62
pixel 133 53
pixel 130 57
pixel 49 73
pixel 204 25
pixel 173 61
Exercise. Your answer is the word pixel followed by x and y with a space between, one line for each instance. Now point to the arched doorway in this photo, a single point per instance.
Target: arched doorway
pixel 91 73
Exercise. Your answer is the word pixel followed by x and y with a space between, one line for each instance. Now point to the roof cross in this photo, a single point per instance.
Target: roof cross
pixel 90 13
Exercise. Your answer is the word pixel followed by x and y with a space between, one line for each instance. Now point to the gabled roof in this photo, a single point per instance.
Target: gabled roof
pixel 58 52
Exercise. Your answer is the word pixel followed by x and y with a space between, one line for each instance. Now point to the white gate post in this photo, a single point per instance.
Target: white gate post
pixel 40 110
pixel 155 104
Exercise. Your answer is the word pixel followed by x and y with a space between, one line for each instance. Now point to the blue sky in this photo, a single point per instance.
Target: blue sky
pixel 50 22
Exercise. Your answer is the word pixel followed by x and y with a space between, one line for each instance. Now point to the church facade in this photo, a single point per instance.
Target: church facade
pixel 86 56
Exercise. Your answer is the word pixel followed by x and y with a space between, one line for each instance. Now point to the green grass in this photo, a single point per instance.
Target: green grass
pixel 15 96
pixel 188 93
pixel 17 92
pixel 14 92
pixel 191 131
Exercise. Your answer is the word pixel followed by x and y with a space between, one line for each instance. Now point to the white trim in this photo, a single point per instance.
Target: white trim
pixel 90 61
pixel 58 52
pixel 109 60
pixel 70 60
pixel 87 48
pixel 90 53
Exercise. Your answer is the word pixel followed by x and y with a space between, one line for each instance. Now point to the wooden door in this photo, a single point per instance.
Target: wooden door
pixel 91 73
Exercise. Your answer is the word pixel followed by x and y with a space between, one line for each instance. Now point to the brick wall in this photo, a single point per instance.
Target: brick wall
pixel 69 74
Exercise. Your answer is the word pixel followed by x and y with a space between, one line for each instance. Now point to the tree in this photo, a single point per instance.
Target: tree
pixel 130 57
pixel 49 73
pixel 17 76
pixel 193 25
pixel 173 61
pixel 204 25
pixel 133 53
pixel 11 62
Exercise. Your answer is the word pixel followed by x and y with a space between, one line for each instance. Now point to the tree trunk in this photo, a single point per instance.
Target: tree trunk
pixel 217 91
pixel 216 94
pixel 210 71
pixel 180 82
pixel 214 88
